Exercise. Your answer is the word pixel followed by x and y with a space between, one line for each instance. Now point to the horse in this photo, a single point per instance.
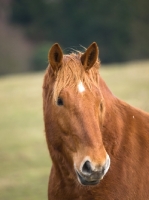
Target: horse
pixel 99 145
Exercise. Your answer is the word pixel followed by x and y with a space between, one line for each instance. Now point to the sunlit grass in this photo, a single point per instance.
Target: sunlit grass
pixel 129 82
pixel 25 162
pixel 24 158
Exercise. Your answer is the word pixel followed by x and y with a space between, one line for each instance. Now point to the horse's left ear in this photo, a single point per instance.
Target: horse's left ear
pixel 55 57
pixel 90 56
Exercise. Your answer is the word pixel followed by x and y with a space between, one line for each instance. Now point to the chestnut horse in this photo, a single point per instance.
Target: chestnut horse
pixel 99 145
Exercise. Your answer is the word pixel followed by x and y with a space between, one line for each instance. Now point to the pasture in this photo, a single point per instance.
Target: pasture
pixel 24 158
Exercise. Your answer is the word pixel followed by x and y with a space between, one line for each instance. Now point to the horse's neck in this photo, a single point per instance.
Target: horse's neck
pixel 121 122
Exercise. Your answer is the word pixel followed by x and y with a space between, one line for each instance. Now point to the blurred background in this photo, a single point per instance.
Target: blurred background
pixel 28 28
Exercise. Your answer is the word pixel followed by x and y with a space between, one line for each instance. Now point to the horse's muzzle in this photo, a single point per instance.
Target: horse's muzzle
pixel 92 176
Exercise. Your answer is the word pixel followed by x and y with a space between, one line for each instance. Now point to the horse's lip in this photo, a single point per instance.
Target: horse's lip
pixel 84 181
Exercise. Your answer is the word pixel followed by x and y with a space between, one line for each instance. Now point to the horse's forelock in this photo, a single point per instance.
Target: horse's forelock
pixel 72 72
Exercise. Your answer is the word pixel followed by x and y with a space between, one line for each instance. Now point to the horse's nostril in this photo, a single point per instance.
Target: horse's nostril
pixel 87 169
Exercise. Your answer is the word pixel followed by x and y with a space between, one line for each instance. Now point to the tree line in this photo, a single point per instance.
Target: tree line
pixel 120 27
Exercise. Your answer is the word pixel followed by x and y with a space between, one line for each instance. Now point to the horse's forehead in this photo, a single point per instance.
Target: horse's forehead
pixel 81 92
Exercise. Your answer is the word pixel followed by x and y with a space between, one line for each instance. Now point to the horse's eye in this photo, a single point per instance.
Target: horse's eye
pixel 59 101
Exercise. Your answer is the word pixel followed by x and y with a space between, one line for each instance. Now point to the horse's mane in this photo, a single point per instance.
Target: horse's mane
pixel 72 72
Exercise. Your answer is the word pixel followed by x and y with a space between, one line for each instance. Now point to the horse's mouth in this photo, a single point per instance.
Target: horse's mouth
pixel 87 180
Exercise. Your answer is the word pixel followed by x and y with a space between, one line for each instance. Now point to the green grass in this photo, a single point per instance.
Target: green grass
pixel 130 82
pixel 24 158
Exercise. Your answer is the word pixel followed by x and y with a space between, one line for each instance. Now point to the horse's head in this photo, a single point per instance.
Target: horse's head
pixel 73 114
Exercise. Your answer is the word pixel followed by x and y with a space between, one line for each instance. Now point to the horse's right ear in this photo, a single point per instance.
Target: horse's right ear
pixel 55 57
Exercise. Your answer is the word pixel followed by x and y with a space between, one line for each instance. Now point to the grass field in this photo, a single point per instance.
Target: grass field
pixel 24 158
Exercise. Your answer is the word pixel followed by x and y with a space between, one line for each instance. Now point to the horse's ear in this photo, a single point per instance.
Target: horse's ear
pixel 55 57
pixel 90 56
